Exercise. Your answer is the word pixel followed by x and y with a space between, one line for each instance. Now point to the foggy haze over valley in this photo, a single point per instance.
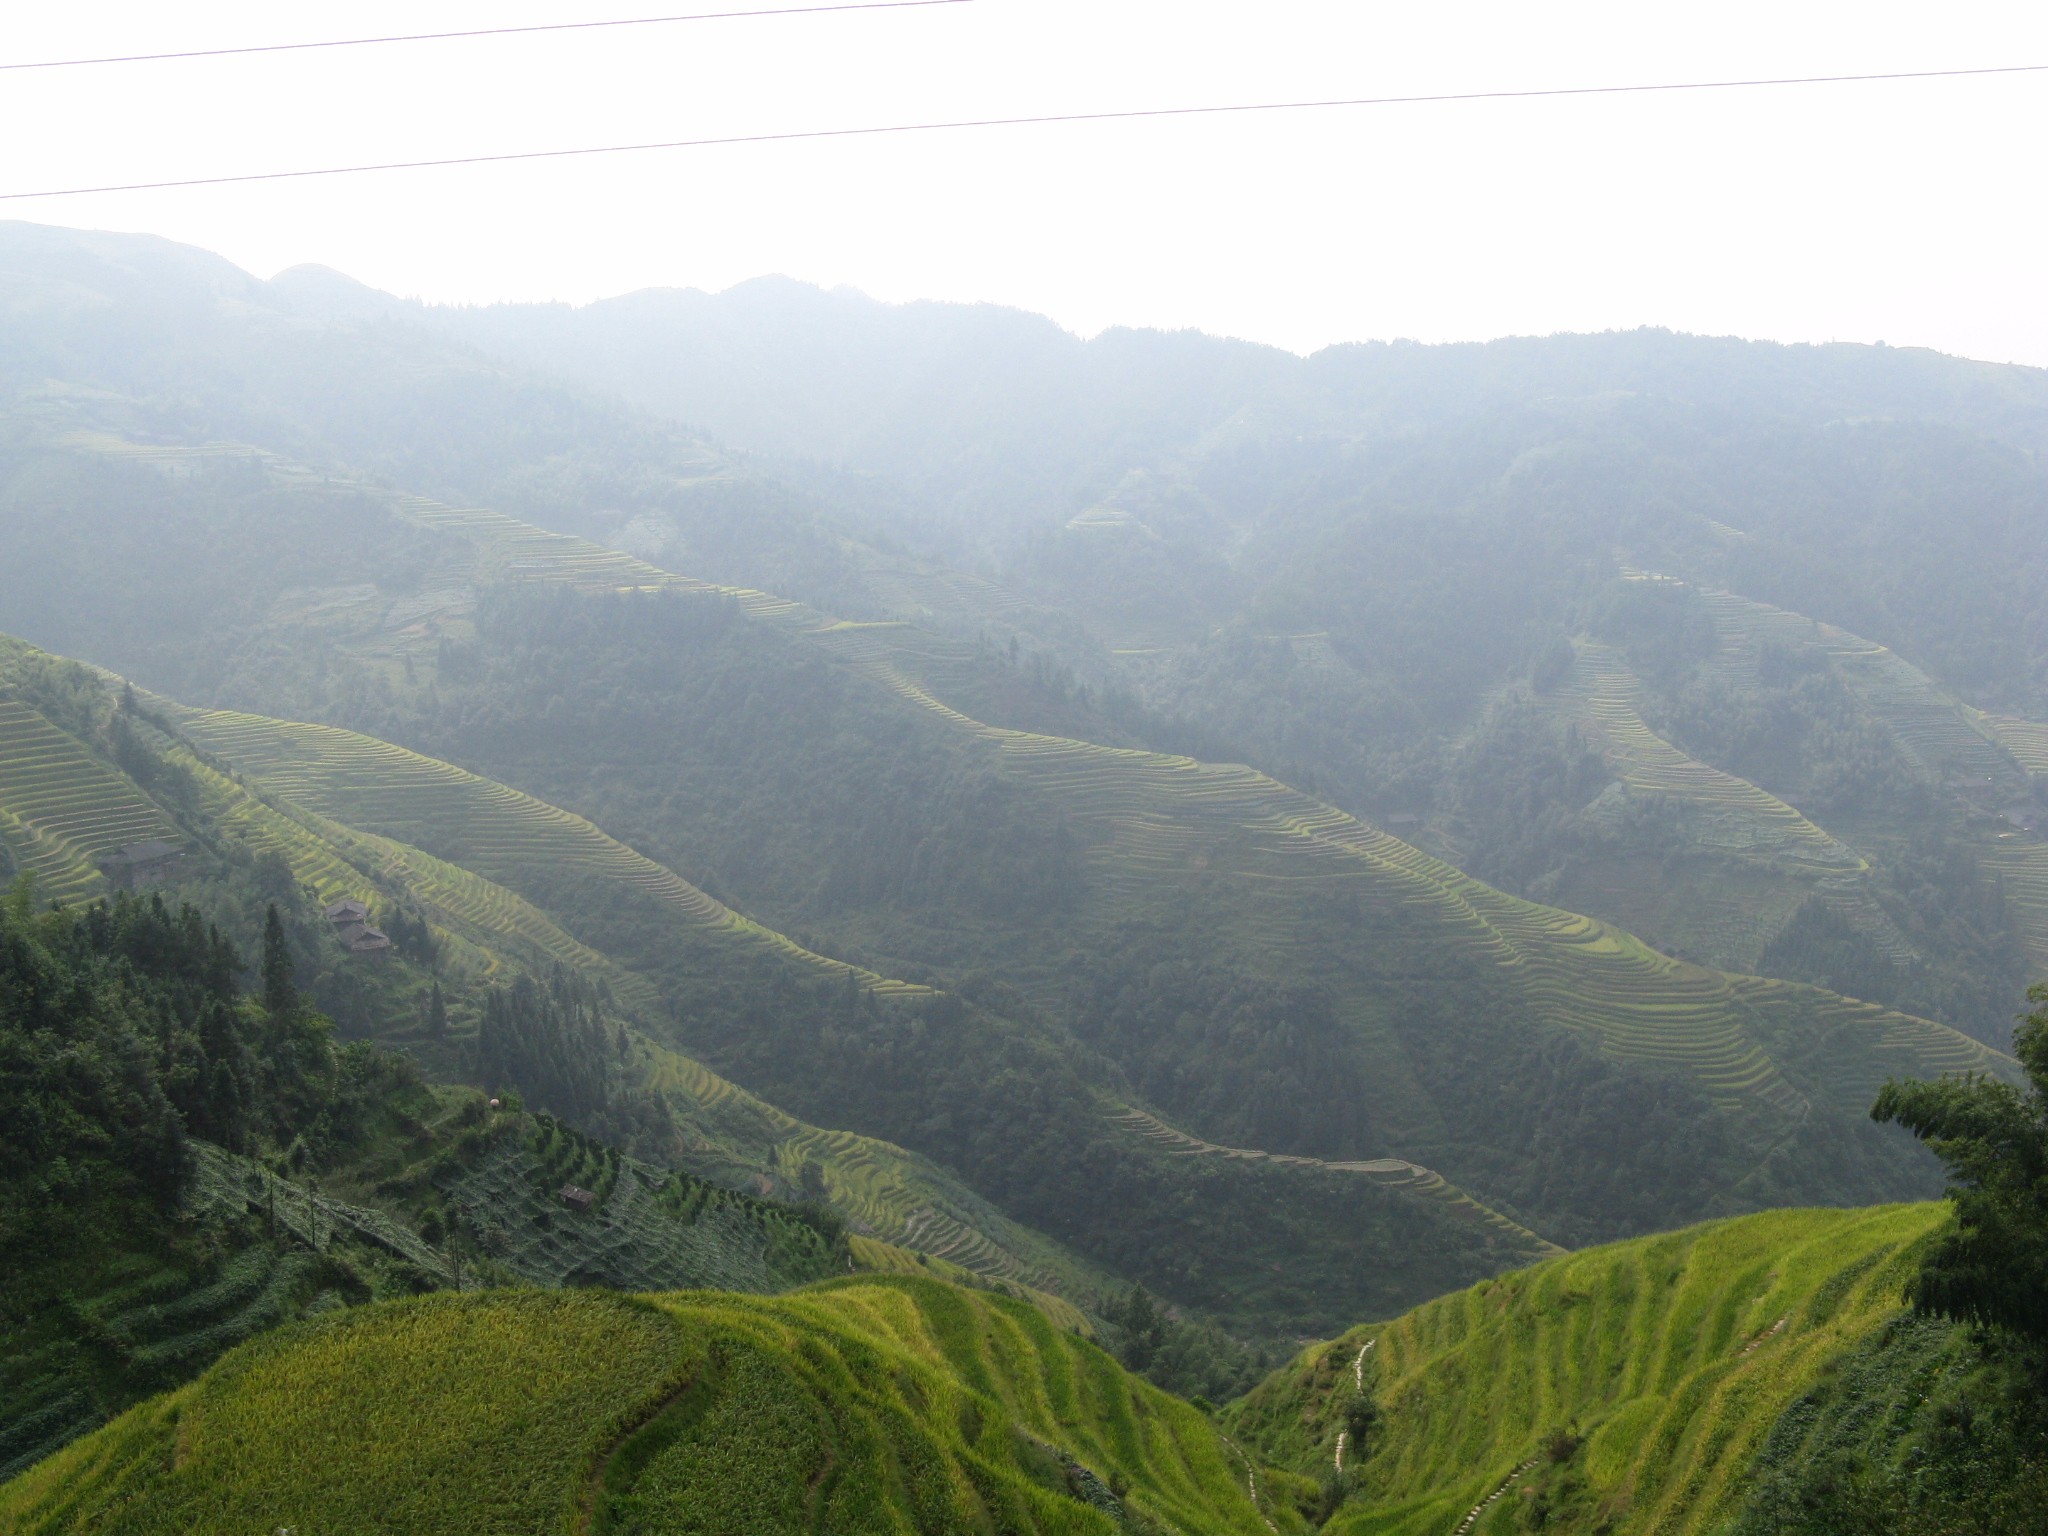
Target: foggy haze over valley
pixel 868 874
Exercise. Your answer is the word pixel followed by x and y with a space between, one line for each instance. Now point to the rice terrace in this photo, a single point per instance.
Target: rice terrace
pixel 1343 875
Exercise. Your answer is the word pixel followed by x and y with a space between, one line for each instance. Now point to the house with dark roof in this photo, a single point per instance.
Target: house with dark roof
pixel 351 921
pixel 362 939
pixel 135 865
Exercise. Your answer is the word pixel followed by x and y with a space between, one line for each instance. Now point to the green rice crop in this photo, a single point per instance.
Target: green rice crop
pixel 62 808
pixel 869 1405
pixel 1668 1358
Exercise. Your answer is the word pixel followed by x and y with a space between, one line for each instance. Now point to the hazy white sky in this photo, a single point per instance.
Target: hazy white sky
pixel 1910 212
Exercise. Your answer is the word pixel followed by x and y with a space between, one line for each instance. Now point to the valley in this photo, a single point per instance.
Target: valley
pixel 1143 934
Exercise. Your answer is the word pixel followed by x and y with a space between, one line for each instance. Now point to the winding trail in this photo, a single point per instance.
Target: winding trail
pixel 1251 1482
pixel 1472 1515
pixel 1395 1172
pixel 593 1484
pixel 1768 1334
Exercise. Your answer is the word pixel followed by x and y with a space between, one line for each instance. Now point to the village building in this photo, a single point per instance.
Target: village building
pixel 351 921
pixel 362 939
pixel 577 1199
pixel 136 865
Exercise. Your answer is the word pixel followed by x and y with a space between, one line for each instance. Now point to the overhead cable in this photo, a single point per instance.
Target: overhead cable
pixel 1124 115
pixel 439 37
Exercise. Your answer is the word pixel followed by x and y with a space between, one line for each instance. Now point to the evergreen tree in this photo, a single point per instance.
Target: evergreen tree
pixel 1992 1267
pixel 437 1014
pixel 280 996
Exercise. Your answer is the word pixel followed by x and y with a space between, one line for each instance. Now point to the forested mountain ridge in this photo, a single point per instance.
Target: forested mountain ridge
pixel 966 815
pixel 1306 835
pixel 1729 1042
pixel 1342 567
pixel 351 817
pixel 467 936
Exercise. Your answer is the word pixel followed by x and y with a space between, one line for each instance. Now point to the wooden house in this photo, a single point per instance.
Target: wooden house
pixel 136 865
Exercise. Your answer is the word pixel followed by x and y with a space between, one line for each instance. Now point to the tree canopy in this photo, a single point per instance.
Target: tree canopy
pixel 1991 1269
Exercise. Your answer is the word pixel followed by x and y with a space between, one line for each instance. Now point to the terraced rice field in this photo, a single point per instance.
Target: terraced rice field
pixel 2021 866
pixel 494 931
pixel 880 1258
pixel 886 1192
pixel 629 1242
pixel 1737 817
pixel 1939 734
pixel 2026 740
pixel 484 827
pixel 1392 1171
pixel 1672 1356
pixel 487 931
pixel 61 808
pixel 879 1185
pixel 1944 738
pixel 1164 815
pixel 162 1322
pixel 491 931
pixel 869 1404
pixel 1725 815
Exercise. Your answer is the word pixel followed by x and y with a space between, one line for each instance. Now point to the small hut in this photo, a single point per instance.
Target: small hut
pixel 135 865
pixel 362 939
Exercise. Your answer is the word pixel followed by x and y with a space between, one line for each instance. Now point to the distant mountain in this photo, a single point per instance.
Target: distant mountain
pixel 1134 889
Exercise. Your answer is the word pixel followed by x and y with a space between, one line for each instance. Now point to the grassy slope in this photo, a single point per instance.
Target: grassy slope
pixel 490 933
pixel 1278 859
pixel 523 844
pixel 123 1303
pixel 1942 737
pixel 1672 1356
pixel 1276 863
pixel 1306 893
pixel 61 807
pixel 1278 871
pixel 878 1405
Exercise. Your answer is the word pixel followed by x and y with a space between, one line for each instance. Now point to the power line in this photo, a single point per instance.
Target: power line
pixel 1026 122
pixel 436 37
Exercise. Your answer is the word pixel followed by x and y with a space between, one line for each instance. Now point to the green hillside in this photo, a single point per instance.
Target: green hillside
pixel 1626 1388
pixel 1079 856
pixel 1292 887
pixel 437 1196
pixel 63 809
pixel 1312 1231
pixel 873 1405
pixel 487 936
pixel 665 929
pixel 395 1187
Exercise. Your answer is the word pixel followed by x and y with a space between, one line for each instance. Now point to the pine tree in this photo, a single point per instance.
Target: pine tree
pixel 437 1014
pixel 280 997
